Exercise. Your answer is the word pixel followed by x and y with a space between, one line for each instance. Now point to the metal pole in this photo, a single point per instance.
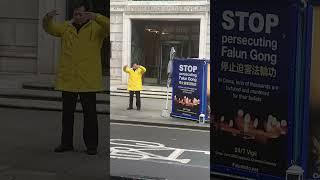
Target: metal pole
pixel 165 112
pixel 168 84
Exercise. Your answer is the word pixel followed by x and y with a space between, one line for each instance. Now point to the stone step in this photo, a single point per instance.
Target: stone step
pixel 150 89
pixel 44 86
pixel 142 92
pixel 149 92
pixel 49 87
pixel 142 95
pixel 44 95
pixel 45 105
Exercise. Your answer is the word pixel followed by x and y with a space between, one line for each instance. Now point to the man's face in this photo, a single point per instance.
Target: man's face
pixel 78 15
pixel 134 66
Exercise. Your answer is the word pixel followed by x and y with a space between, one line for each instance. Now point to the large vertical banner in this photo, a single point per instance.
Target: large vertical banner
pixel 254 58
pixel 189 88
pixel 208 91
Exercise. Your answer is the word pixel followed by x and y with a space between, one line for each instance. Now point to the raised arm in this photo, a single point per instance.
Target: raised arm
pixel 103 22
pixel 143 69
pixel 125 69
pixel 51 27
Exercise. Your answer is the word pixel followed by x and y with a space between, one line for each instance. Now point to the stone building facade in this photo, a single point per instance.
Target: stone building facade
pixel 26 49
pixel 24 46
pixel 124 14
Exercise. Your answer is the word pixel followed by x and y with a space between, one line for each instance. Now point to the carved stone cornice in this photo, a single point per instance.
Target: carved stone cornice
pixel 117 8
pixel 160 9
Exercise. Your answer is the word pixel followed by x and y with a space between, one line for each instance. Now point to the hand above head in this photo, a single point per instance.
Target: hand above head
pixel 89 15
pixel 52 14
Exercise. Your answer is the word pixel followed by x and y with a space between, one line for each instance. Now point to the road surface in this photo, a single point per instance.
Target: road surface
pixel 171 153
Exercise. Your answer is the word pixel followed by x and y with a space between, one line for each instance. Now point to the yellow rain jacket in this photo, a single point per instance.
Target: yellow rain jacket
pixel 79 68
pixel 135 78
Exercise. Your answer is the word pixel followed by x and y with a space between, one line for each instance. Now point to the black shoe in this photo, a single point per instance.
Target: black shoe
pixel 139 109
pixel 129 108
pixel 92 151
pixel 62 148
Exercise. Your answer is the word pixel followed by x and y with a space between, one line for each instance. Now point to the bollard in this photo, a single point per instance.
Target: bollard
pixel 202 119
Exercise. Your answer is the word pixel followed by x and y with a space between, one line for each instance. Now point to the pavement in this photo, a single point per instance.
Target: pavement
pixel 28 137
pixel 27 141
pixel 35 92
pixel 150 114
pixel 31 130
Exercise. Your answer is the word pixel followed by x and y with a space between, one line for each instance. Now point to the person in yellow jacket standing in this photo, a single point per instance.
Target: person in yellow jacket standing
pixel 135 83
pixel 79 70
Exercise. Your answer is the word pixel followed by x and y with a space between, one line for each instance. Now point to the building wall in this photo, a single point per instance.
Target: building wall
pixel 208 38
pixel 122 11
pixel 24 46
pixel 116 34
pixel 49 46
pixel 18 36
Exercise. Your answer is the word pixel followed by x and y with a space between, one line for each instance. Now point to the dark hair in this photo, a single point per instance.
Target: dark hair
pixel 80 3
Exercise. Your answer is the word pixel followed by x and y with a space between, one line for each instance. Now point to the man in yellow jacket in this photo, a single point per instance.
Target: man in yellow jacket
pixel 79 71
pixel 135 83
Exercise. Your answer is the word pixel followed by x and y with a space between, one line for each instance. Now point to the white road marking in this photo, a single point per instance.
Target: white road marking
pixel 135 150
pixel 176 153
pixel 149 145
pixel 161 127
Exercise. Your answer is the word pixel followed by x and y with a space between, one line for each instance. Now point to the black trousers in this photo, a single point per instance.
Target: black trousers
pixel 138 101
pixel 90 127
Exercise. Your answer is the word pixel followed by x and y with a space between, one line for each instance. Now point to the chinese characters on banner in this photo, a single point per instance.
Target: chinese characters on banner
pixel 189 88
pixel 254 55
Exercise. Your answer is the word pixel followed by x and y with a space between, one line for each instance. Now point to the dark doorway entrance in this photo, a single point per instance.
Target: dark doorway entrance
pixel 151 43
pixel 102 7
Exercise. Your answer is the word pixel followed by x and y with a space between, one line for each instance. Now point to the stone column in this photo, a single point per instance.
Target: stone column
pixel 116 34
pixel 48 46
